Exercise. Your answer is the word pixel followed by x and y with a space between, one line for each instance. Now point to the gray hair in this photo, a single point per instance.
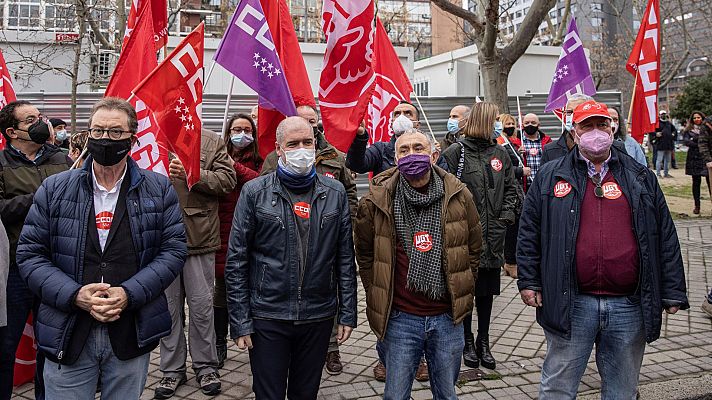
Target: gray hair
pixel 579 98
pixel 291 124
pixel 414 131
pixel 119 104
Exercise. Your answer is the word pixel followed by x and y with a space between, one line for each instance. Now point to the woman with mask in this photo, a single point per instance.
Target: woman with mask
pixel 695 164
pixel 487 170
pixel 241 141
pixel 620 133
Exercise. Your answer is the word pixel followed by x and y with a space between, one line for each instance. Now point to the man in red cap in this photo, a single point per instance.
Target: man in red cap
pixel 610 263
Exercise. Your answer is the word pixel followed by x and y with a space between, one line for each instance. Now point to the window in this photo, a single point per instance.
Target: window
pixel 596 22
pixel 596 7
pixel 212 19
pixel 596 37
pixel 103 64
pixel 422 88
pixel 60 17
pixel 25 14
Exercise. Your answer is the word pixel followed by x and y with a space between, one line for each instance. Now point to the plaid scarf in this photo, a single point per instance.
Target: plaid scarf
pixel 419 228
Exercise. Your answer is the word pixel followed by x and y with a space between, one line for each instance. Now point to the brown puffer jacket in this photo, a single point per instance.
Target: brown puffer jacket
pixel 375 234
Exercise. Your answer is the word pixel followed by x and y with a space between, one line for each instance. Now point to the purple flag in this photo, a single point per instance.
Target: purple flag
pixel 572 74
pixel 248 52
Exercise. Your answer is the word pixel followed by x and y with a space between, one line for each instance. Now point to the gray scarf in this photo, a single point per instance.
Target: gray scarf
pixel 419 228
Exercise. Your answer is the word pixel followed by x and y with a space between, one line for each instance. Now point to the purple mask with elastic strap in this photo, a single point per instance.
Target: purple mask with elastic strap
pixel 414 166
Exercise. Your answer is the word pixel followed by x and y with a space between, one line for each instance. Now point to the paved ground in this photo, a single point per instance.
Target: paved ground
pixel 681 358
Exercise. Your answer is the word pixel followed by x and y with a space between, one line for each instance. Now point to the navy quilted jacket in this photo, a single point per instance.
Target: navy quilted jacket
pixel 50 252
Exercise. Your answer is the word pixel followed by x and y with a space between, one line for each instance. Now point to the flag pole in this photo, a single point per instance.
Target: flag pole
pixel 227 104
pixel 507 142
pixel 632 99
pixel 519 111
pixel 422 110
pixel 210 73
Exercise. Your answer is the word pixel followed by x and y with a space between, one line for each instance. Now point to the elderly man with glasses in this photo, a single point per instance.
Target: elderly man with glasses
pixel 599 258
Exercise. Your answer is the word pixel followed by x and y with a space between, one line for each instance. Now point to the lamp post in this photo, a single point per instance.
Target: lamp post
pixel 687 70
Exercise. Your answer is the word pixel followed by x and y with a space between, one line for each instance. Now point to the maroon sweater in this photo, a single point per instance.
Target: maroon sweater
pixel 410 301
pixel 606 248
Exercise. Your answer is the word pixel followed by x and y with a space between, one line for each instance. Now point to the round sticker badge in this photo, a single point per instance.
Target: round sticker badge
pixel 496 164
pixel 302 210
pixel 329 175
pixel 103 220
pixel 533 151
pixel 422 241
pixel 562 188
pixel 611 191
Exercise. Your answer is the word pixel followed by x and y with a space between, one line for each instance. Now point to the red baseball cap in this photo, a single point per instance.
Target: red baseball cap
pixel 590 109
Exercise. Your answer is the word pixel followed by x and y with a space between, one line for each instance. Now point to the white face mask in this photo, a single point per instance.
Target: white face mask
pixel 299 161
pixel 568 122
pixel 401 124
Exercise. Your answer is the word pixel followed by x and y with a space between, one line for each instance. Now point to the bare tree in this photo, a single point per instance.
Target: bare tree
pixel 496 62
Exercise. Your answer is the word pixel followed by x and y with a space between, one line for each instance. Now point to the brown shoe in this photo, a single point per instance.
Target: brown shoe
pixel 707 307
pixel 511 270
pixel 696 210
pixel 379 372
pixel 333 363
pixel 422 374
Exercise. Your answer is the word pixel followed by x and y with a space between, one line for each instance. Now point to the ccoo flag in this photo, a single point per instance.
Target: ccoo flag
pixel 248 52
pixel 572 74
pixel 7 91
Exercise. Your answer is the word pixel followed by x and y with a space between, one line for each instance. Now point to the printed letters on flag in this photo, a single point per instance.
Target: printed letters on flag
pixel 347 76
pixel 644 65
pixel 137 60
pixel 572 74
pixel 7 91
pixel 159 11
pixel 174 92
pixel 392 86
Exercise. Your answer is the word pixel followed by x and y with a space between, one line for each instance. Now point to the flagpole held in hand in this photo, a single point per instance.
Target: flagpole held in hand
pixel 519 111
pixel 227 104
pixel 507 142
pixel 422 110
pixel 632 100
pixel 210 73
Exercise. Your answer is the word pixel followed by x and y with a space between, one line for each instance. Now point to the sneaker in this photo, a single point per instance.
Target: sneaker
pixel 209 383
pixel 167 386
pixel 333 363
pixel 422 374
pixel 379 372
pixel 669 176
pixel 707 307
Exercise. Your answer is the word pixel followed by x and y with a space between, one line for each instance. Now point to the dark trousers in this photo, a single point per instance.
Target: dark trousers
pixel 510 242
pixel 696 183
pixel 20 302
pixel 288 358
pixel 483 305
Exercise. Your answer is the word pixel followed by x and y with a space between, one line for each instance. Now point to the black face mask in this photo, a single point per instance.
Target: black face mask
pixel 509 131
pixel 531 129
pixel 108 152
pixel 39 132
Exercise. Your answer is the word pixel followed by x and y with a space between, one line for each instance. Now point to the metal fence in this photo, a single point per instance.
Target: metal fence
pixel 437 110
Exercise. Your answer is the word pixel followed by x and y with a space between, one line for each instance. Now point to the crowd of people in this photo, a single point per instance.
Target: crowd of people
pixel 265 252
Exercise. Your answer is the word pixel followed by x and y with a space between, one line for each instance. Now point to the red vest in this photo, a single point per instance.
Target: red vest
pixel 607 260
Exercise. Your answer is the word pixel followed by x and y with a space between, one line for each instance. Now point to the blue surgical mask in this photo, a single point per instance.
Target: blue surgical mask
pixel 453 125
pixel 498 127
pixel 568 122
pixel 61 135
pixel 241 140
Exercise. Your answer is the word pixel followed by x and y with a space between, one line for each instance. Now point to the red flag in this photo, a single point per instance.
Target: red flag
pixel 159 10
pixel 25 356
pixel 285 40
pixel 392 86
pixel 174 91
pixel 137 60
pixel 7 91
pixel 347 77
pixel 644 64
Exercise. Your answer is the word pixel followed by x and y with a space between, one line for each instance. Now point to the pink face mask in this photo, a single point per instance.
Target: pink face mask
pixel 595 142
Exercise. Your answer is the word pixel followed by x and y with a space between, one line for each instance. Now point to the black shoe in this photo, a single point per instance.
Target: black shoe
pixel 209 383
pixel 167 387
pixel 469 355
pixel 483 352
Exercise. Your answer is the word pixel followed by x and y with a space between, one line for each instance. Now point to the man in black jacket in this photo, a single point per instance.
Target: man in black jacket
pixel 598 255
pixel 290 269
pixel 665 137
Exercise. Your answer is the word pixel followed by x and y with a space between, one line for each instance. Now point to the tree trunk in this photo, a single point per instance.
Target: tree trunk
pixel 494 73
pixel 121 20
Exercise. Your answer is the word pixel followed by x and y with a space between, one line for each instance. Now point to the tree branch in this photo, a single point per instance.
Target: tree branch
pixel 529 28
pixel 460 12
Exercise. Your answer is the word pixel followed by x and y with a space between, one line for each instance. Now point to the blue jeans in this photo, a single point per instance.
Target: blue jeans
pixel 407 336
pixel 663 161
pixel 709 296
pixel 120 380
pixel 615 326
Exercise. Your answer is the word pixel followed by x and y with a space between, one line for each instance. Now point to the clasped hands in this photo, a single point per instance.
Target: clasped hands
pixel 102 301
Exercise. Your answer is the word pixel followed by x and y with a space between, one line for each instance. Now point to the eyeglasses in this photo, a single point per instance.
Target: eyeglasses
pixel 598 191
pixel 237 131
pixel 31 119
pixel 114 133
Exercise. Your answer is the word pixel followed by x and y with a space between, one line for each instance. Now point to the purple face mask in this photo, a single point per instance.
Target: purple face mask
pixel 595 143
pixel 414 166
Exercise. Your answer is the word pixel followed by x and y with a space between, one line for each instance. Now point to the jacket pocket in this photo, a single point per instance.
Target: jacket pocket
pixel 199 227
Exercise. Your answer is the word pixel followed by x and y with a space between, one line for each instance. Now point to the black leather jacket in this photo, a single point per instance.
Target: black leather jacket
pixel 263 274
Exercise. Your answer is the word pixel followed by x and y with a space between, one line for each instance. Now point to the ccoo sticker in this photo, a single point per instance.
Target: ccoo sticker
pixel 103 220
pixel 422 241
pixel 562 188
pixel 496 164
pixel 302 210
pixel 611 191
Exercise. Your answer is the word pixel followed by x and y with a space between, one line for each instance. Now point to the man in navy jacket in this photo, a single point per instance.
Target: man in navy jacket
pixel 99 247
pixel 599 257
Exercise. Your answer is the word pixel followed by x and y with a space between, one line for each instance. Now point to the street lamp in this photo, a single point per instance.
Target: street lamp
pixel 687 70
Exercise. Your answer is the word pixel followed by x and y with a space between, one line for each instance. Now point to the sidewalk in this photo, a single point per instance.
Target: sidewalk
pixel 518 344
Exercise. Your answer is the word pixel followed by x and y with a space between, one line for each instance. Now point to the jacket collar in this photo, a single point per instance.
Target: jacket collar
pixel 277 188
pixel 134 173
pixel 45 152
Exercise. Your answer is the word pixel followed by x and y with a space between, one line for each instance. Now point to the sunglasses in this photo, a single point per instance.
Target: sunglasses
pixel 598 191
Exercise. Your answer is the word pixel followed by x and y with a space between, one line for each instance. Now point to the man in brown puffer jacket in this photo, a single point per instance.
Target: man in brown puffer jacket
pixel 418 240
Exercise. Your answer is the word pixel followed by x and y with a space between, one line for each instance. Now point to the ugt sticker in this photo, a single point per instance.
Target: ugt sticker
pixel 562 188
pixel 496 164
pixel 329 175
pixel 422 241
pixel 611 191
pixel 302 209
